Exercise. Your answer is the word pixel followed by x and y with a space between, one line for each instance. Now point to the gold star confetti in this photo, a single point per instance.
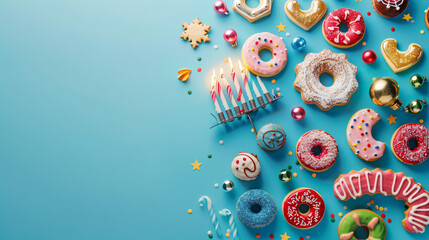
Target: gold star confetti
pixel 285 236
pixel 407 17
pixel 392 119
pixel 281 27
pixel 196 165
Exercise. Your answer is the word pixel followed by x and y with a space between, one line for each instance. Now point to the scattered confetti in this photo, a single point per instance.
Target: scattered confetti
pixel 412 21
pixel 364 44
pixel 373 79
pixel 340 214
pixel 289 167
pixel 301 238
pixel 332 215
pixel 281 27
pixel 333 220
pixel 314 174
pixel 381 208
pixel 258 235
pixel 278 89
pixel 225 60
pixel 389 220
pixel 199 58
pixel 195 32
pixel 287 34
pixel 345 207
pixel 209 156
pixel 368 204
pixel 210 234
pixel 307 236
pixel 184 74
pixel 297 163
pixel 199 69
pixel 227 235
pixel 383 215
pixel 285 236
pixel 221 142
pixel 368 13
pixel 422 31
pixel 216 185
pixel 407 17
pixel 189 211
pixel 295 174
pixel 392 119
pixel 301 168
pixel 392 29
pixel 290 153
pixel 196 165
pixel 376 207
pixel 228 230
pixel 385 209
pixel 215 47
pixel 272 236
pixel 278 94
pixel 273 81
pixel 252 130
pixel 189 92
pixel 421 120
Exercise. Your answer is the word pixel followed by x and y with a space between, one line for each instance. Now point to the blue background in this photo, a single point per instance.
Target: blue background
pixel 97 133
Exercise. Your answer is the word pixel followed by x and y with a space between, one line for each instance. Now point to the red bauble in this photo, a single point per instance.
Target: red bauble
pixel 369 57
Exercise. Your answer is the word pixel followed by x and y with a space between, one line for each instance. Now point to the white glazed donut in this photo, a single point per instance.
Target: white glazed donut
pixel 252 61
pixel 252 14
pixel 246 166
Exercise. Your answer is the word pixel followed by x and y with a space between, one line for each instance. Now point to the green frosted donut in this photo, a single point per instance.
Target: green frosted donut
pixel 362 217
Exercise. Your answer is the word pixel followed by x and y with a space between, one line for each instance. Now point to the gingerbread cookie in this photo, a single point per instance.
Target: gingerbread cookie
pixel 389 8
pixel 308 18
pixel 313 91
pixel 253 14
pixel 397 60
pixel 356 184
pixel 195 32
pixel 359 135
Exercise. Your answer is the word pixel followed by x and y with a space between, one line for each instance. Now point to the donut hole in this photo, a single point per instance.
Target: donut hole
pixel 304 208
pixel 413 143
pixel 344 28
pixel 265 54
pixel 361 232
pixel 317 150
pixel 252 3
pixel 326 79
pixel 255 208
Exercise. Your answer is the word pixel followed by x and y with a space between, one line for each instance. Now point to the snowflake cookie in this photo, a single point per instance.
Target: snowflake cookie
pixel 196 32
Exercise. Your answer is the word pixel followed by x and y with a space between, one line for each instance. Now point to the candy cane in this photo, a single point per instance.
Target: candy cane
pixel 228 214
pixel 204 200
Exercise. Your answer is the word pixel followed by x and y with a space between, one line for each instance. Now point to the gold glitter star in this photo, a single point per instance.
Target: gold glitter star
pixel 392 119
pixel 407 17
pixel 281 27
pixel 196 165
pixel 285 236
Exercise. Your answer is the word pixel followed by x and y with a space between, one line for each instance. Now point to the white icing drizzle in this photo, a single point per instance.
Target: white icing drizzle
pixel 358 18
pixel 337 39
pixel 394 193
pixel 332 28
pixel 357 32
pixel 346 14
pixel 356 175
pixel 379 175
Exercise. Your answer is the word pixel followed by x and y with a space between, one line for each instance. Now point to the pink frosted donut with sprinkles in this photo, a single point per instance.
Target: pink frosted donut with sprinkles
pixel 316 151
pixel 353 20
pixel 410 143
pixel 252 61
pixel 359 135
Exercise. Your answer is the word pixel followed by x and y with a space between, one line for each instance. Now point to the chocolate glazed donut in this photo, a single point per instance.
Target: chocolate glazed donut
pixel 389 8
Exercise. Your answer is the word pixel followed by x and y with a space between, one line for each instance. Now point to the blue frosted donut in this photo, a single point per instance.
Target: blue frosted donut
pixel 256 208
pixel 271 137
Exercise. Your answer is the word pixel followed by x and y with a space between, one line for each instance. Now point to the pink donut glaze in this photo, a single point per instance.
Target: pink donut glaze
pixel 257 42
pixel 400 141
pixel 353 19
pixel 356 184
pixel 303 196
pixel 311 140
pixel 360 137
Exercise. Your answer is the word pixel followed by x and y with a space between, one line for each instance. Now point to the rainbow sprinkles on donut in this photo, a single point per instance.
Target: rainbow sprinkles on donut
pixel 356 184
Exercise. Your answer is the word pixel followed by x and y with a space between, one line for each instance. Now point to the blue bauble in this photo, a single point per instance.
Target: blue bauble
pixel 298 43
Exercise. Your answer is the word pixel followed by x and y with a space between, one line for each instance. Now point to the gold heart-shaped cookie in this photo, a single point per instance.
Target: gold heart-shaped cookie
pixel 397 60
pixel 308 18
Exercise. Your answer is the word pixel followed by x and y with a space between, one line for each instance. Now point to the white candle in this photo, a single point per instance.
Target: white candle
pixel 213 94
pixel 228 88
pixel 255 89
pixel 236 84
pixel 261 84
pixel 245 80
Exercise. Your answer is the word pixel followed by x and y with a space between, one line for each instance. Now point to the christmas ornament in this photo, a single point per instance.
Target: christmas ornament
pixel 298 43
pixel 220 7
pixel 384 92
pixel 369 57
pixel 417 81
pixel 230 36
pixel 415 106
pixel 285 175
pixel 297 113
pixel 228 185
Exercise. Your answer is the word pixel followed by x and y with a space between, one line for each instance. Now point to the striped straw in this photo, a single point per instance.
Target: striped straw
pixel 228 214
pixel 204 200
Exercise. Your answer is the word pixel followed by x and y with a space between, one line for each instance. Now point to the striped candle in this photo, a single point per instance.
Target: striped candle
pixel 204 200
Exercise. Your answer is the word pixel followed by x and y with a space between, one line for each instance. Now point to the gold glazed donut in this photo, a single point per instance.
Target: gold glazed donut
pixel 312 90
pixel 308 18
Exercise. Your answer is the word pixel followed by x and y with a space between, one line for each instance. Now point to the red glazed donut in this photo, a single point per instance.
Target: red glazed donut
pixel 305 150
pixel 353 20
pixel 292 208
pixel 417 133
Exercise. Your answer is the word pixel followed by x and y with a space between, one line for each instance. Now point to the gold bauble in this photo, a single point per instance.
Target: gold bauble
pixel 384 92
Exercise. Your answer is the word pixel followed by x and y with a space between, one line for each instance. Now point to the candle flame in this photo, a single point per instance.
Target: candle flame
pixel 240 66
pixel 230 64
